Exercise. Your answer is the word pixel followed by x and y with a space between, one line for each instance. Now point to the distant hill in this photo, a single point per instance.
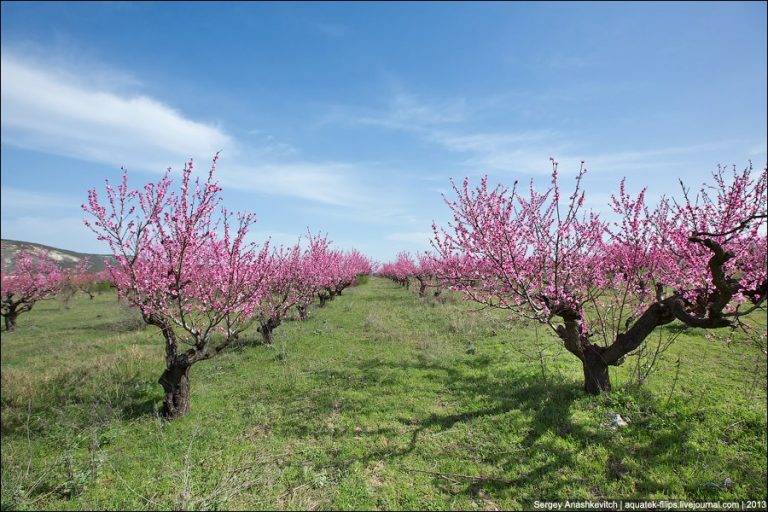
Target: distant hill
pixel 67 259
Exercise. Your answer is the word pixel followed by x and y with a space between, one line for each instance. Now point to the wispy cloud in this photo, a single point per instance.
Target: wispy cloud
pixel 450 125
pixel 45 111
pixel 402 111
pixel 329 183
pixel 268 145
pixel 50 111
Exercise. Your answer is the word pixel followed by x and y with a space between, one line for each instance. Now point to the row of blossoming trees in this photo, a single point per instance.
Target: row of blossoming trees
pixel 184 262
pixel 37 277
pixel 604 287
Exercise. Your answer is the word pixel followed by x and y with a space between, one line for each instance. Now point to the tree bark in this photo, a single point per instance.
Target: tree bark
pixel 266 328
pixel 303 315
pixel 596 376
pixel 10 322
pixel 175 382
pixel 266 334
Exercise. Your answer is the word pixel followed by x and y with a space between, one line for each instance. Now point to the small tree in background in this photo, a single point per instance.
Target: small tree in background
pixel 314 272
pixel 350 265
pixel 340 271
pixel 76 279
pixel 425 272
pixel 281 290
pixel 36 278
pixel 401 270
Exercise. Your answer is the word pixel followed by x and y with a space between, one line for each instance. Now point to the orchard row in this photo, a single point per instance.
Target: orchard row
pixel 601 286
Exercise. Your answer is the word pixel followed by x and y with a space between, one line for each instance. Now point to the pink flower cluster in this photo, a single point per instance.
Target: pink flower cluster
pixel 400 270
pixel 404 268
pixel 36 277
pixel 184 261
pixel 543 256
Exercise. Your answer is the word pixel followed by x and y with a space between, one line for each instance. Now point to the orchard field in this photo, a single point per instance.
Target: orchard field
pixel 380 400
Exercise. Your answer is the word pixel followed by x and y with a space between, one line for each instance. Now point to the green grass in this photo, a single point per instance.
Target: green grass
pixel 381 400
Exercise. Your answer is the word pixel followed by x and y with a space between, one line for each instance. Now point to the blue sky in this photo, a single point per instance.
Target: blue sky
pixel 349 118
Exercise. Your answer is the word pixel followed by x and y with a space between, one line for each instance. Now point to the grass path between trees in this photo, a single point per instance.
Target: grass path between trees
pixel 381 400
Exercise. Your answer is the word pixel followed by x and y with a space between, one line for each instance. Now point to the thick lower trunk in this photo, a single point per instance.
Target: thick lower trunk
pixel 323 299
pixel 10 322
pixel 266 334
pixel 303 314
pixel 422 288
pixel 266 328
pixel 175 382
pixel 596 376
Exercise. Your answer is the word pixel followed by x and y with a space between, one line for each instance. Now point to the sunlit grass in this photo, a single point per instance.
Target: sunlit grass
pixel 380 400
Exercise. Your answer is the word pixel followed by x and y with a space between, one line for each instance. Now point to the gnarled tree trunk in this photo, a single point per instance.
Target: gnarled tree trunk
pixel 266 328
pixel 175 382
pixel 10 321
pixel 12 310
pixel 596 376
pixel 175 378
pixel 303 314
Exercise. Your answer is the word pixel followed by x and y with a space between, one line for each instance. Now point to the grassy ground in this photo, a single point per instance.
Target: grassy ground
pixel 381 400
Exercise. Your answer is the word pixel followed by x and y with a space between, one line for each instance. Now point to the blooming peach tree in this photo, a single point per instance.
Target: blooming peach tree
pixel 401 270
pixel 281 289
pixel 603 287
pixel 35 278
pixel 188 280
pixel 314 272
pixel 341 270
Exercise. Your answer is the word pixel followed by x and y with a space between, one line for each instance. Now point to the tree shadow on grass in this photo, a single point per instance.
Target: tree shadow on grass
pixel 542 409
pixel 99 326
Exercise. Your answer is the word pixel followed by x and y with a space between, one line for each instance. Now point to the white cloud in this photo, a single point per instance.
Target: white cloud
pixel 329 183
pixel 49 110
pixel 449 124
pixel 46 110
